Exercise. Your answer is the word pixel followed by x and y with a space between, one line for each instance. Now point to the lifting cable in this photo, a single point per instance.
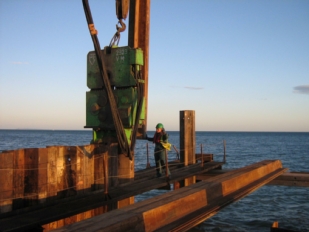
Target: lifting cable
pixel 121 136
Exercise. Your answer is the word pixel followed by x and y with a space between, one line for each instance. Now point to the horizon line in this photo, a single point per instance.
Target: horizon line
pixel 89 129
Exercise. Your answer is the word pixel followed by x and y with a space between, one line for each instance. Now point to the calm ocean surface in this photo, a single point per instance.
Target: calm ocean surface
pixel 256 212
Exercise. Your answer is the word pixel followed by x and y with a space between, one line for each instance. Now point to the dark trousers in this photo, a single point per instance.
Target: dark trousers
pixel 159 155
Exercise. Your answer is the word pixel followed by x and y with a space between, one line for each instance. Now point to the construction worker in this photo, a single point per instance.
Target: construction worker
pixel 160 139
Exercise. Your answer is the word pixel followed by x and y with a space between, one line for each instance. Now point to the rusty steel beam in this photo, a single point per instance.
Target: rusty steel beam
pixel 297 179
pixel 6 181
pixel 187 137
pixel 139 28
pixel 186 207
pixel 187 142
pixel 300 179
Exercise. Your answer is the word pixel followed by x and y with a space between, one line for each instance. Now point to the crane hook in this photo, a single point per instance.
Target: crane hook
pixel 123 26
pixel 116 37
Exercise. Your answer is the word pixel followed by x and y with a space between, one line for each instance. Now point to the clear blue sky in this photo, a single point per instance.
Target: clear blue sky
pixel 241 65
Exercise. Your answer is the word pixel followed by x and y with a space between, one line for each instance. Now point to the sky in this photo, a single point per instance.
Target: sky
pixel 240 65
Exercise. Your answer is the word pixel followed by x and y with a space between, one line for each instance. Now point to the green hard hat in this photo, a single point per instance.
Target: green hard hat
pixel 159 125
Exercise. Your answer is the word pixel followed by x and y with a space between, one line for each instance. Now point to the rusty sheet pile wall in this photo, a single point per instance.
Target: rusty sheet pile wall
pixel 42 175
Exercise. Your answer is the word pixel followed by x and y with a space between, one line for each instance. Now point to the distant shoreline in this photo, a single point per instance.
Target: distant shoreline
pixel 197 131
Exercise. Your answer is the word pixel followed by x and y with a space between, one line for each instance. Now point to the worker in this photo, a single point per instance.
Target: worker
pixel 160 139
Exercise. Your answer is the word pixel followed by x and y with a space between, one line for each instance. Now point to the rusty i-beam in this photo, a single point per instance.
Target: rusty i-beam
pixel 187 142
pixel 187 207
pixel 138 37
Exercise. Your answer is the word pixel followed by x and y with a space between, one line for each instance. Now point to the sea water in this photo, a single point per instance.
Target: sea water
pixel 256 212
